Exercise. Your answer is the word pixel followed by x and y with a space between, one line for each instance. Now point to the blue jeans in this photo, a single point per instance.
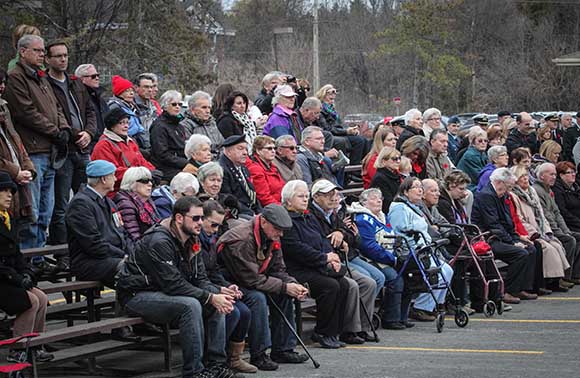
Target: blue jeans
pixel 369 270
pixel 73 171
pixel 395 302
pixel 425 301
pixel 42 192
pixel 188 313
pixel 259 336
pixel 238 322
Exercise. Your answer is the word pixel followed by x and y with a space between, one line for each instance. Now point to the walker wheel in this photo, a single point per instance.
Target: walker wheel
pixel 376 321
pixel 440 322
pixel 489 309
pixel 461 318
pixel 500 307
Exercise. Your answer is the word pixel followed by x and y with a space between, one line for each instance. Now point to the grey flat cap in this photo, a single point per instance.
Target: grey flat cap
pixel 278 216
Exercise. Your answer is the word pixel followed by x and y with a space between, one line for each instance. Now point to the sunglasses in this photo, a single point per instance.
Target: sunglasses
pixel 481 141
pixel 145 181
pixel 269 148
pixel 396 158
pixel 176 104
pixel 214 225
pixel 292 148
pixel 93 76
pixel 195 218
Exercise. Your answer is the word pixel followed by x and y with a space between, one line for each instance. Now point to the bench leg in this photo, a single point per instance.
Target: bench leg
pixel 167 346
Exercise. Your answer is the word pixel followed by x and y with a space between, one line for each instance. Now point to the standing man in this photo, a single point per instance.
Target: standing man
pixel 553 122
pixel 43 128
pixel 438 162
pixel 143 95
pixel 269 84
pixel 453 140
pixel 523 135
pixel 571 134
pixel 88 75
pixel 78 110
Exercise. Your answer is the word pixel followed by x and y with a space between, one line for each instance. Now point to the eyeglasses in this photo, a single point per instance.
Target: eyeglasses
pixel 93 76
pixel 292 148
pixel 145 181
pixel 570 172
pixel 417 187
pixel 269 148
pixel 394 158
pixel 434 119
pixel 481 141
pixel 38 51
pixel 307 89
pixel 176 104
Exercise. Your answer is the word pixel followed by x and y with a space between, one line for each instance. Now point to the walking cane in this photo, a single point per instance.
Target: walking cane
pixel 365 311
pixel 279 310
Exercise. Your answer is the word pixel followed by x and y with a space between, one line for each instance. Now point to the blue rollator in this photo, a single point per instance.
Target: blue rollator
pixel 421 270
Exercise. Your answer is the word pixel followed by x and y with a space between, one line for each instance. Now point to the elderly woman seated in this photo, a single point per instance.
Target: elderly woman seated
pixel 198 152
pixel 134 202
pixel 309 258
pixel 474 158
pixel 407 219
pixel 498 158
pixel 210 177
pixel 265 176
pixel 530 212
pixel 164 197
pixel 168 137
pixel 376 245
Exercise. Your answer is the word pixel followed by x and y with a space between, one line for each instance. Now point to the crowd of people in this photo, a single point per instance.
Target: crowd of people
pixel 207 217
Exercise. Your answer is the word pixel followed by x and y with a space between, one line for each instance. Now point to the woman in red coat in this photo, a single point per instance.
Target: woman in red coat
pixel 265 176
pixel 117 147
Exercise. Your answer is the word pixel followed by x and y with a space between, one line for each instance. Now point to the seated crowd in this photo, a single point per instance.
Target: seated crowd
pixel 207 220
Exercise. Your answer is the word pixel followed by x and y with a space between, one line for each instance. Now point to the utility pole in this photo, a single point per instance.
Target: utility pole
pixel 315 61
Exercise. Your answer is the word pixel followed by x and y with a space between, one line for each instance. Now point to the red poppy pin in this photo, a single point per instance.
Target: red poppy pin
pixel 73 77
pixel 306 212
pixel 276 246
pixel 41 73
pixel 195 247
pixel 551 194
pixel 445 166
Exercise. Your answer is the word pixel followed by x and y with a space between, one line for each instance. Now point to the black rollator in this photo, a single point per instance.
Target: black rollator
pixel 289 325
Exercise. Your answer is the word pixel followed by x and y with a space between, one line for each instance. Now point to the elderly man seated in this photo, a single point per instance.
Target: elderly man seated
pixel 164 197
pixel 285 160
pixel 376 245
pixel 340 231
pixel 252 256
pixel 491 213
pixel 236 179
pixel 546 178
pixel 97 241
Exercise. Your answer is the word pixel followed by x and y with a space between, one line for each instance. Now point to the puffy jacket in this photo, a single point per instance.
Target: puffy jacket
pixel 36 114
pixel 388 182
pixel 372 230
pixel 135 126
pixel 138 215
pixel 281 123
pixel 472 162
pixel 163 200
pixel 516 139
pixel 484 175
pixel 158 264
pixel 406 219
pixel 305 246
pixel 568 201
pixel 167 144
pixel 124 153
pixel 266 180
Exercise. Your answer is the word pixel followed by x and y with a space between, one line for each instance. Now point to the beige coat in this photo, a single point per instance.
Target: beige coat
pixel 554 256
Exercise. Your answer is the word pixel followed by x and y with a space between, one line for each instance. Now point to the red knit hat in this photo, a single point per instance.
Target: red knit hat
pixel 120 85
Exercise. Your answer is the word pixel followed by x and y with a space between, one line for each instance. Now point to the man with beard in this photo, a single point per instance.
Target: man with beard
pixel 165 280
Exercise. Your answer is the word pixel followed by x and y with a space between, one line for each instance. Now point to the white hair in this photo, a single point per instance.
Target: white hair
pixel 475 132
pixel 271 76
pixel 194 143
pixel 431 112
pixel 494 152
pixel 307 132
pixel 132 175
pixel 169 96
pixel 211 168
pixel 289 190
pixel 196 96
pixel 27 39
pixel 182 182
pixel 410 114
pixel 540 169
pixel 282 138
pixel 366 194
pixel 502 175
pixel 83 69
pixel 311 103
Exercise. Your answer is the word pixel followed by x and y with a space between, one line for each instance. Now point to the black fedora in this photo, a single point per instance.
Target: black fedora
pixel 6 182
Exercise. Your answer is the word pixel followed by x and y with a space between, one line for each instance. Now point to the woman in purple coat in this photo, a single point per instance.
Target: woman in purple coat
pixel 284 120
pixel 134 202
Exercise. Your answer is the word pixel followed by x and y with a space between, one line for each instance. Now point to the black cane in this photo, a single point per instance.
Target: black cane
pixel 365 311
pixel 316 364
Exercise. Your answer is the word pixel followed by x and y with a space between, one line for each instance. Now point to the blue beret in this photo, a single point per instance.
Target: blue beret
pixel 100 168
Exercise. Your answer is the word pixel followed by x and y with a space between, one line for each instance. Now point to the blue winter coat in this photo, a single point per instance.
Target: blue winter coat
pixel 407 218
pixel 484 175
pixel 135 126
pixel 368 226
pixel 163 200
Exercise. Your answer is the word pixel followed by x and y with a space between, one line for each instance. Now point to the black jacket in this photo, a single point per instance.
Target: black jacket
pixel 407 133
pixel 82 101
pixel 101 108
pixel 305 245
pixel 568 201
pixel 96 243
pixel 491 213
pixel 210 259
pixel 264 101
pixel 167 144
pixel 451 209
pixel 388 182
pixel 336 224
pixel 13 267
pixel 229 126
pixel 233 185
pixel 516 139
pixel 160 263
pixel 330 124
pixel 570 138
